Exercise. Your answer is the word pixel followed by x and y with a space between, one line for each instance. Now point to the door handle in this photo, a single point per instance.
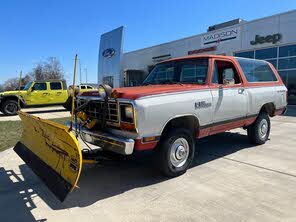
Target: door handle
pixel 45 93
pixel 241 91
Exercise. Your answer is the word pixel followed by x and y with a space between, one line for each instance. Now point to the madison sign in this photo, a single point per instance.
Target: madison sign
pixel 220 36
pixel 266 39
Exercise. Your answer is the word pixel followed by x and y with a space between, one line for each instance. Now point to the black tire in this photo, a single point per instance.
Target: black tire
pixel 9 107
pixel 167 144
pixel 257 133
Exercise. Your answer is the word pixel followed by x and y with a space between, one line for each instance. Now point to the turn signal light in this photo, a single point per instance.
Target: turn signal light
pixel 82 116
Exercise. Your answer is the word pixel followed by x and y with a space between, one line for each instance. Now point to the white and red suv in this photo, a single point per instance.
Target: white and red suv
pixel 183 99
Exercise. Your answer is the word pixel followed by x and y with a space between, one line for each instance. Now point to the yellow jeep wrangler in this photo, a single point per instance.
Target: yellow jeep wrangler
pixel 36 93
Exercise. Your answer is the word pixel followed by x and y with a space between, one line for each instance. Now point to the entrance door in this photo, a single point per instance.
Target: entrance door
pixel 229 97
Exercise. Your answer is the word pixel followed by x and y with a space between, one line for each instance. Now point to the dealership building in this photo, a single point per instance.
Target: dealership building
pixel 271 38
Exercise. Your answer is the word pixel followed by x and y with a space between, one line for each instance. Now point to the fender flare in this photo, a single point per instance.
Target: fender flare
pixel 3 98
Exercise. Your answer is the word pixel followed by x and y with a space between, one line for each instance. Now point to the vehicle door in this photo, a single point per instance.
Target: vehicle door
pixel 57 94
pixel 229 96
pixel 199 98
pixel 38 94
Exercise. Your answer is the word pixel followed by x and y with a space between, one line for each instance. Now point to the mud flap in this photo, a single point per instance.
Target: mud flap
pixel 52 152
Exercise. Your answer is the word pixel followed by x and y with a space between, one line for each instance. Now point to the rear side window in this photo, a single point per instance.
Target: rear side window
pixel 55 86
pixel 257 71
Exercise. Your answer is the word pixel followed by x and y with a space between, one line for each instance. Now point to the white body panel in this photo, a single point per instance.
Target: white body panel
pixel 154 112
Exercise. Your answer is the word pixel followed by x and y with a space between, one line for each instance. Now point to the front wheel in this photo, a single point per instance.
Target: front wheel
pixel 176 152
pixel 258 132
pixel 9 108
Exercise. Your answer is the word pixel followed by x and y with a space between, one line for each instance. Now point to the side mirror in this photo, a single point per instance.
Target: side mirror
pixel 32 89
pixel 228 82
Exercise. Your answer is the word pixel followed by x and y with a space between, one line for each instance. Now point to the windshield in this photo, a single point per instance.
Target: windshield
pixel 27 86
pixel 181 71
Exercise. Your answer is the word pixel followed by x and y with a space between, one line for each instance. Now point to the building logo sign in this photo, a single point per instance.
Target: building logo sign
pixel 220 36
pixel 108 53
pixel 266 39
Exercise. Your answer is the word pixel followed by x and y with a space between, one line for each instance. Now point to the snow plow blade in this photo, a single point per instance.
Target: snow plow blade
pixel 52 152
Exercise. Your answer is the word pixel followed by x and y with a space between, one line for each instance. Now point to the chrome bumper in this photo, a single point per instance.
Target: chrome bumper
pixel 106 141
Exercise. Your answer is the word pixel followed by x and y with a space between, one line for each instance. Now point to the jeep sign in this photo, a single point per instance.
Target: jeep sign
pixel 220 36
pixel 266 39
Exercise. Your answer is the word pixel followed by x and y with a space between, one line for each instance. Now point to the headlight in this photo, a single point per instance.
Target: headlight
pixel 127 113
pixel 105 90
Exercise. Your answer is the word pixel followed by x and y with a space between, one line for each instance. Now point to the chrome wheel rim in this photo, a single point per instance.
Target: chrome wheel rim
pixel 179 152
pixel 11 108
pixel 263 128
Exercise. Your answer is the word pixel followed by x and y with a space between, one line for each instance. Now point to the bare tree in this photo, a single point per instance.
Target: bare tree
pixel 50 69
pixel 13 83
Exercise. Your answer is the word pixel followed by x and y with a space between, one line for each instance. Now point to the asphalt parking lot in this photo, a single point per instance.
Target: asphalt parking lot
pixel 230 180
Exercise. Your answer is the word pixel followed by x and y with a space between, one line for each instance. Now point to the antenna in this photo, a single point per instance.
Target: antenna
pixel 85 70
pixel 80 72
pixel 19 92
pixel 73 94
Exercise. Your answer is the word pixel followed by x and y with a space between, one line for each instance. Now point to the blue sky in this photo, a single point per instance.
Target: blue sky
pixel 32 30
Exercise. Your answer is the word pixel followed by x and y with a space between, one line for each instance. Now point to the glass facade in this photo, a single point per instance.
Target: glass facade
pixel 283 58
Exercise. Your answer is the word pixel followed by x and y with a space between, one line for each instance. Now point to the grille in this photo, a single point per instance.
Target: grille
pixel 95 110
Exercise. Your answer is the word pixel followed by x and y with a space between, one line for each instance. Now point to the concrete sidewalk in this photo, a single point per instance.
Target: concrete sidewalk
pixel 51 112
pixel 230 180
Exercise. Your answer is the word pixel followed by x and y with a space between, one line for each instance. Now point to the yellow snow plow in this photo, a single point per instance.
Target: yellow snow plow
pixel 52 151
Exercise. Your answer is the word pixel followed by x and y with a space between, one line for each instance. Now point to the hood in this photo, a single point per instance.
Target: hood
pixel 141 91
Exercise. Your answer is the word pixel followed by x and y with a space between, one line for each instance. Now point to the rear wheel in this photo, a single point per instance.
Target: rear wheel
pixel 9 108
pixel 176 152
pixel 258 132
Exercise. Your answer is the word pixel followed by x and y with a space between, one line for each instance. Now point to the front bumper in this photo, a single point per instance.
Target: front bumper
pixel 105 140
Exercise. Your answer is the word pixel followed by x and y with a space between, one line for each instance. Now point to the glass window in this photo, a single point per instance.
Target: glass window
pixel 55 86
pixel 289 63
pixel 273 62
pixel 40 86
pixel 215 74
pixel 257 71
pixel 162 73
pixel 193 73
pixel 225 72
pixel 289 77
pixel 186 71
pixel 89 87
pixel 266 53
pixel 289 50
pixel 28 85
pixel 283 75
pixel 82 87
pixel 247 54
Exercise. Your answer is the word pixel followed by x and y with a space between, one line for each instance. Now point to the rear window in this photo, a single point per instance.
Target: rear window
pixel 256 70
pixel 55 85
